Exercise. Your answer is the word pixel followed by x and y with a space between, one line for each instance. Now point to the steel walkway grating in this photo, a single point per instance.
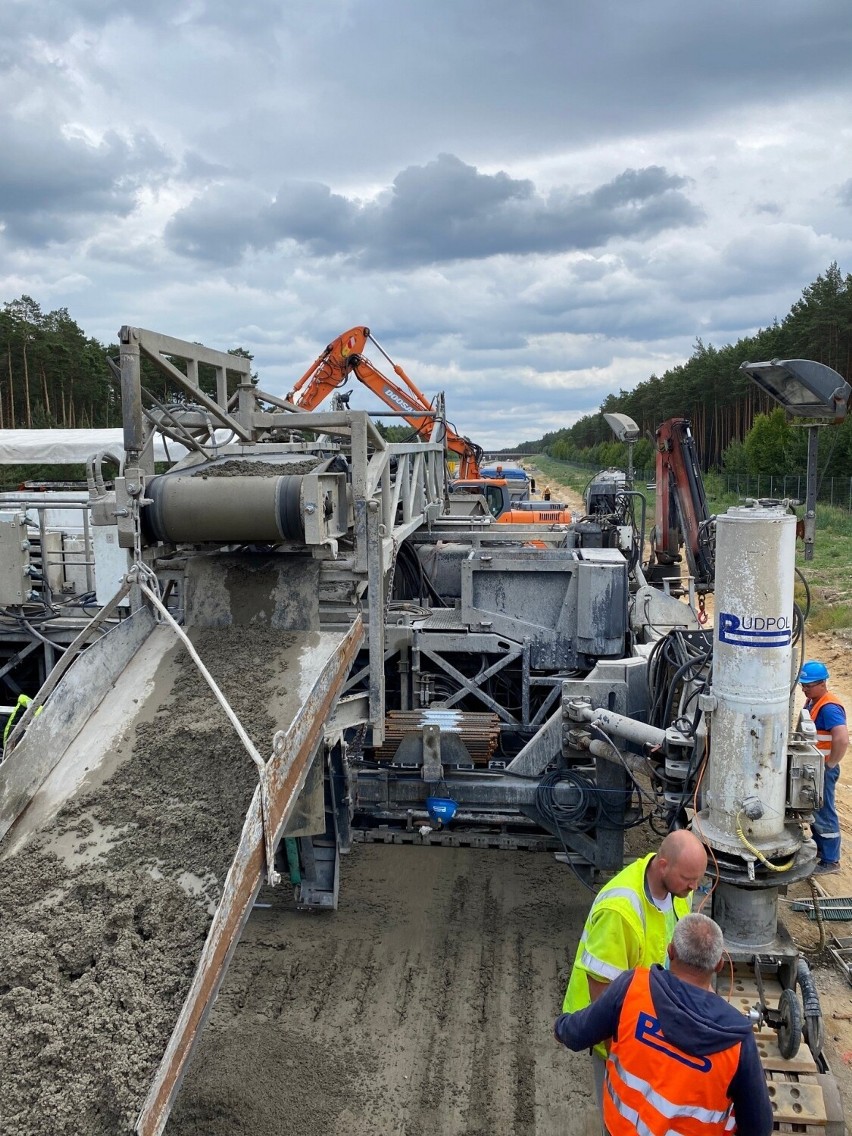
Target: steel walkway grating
pixel 831 909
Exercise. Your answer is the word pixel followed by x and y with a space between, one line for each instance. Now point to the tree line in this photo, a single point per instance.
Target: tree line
pixel 737 428
pixel 51 372
pixel 53 375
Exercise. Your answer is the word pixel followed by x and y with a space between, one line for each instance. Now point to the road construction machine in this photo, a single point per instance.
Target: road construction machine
pixel 425 678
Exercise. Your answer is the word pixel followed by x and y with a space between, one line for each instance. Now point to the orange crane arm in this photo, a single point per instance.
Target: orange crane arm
pixel 330 369
pixel 681 502
pixel 343 357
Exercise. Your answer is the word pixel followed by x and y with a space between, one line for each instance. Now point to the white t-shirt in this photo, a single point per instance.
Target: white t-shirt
pixel 666 906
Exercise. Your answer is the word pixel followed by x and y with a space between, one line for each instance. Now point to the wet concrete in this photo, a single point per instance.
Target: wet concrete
pixel 242 467
pixel 424 1005
pixel 102 918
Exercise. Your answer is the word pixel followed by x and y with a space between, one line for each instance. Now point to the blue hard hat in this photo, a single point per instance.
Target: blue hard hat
pixel 813 671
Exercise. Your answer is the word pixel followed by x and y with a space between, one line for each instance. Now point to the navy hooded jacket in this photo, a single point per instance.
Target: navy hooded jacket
pixel 697 1021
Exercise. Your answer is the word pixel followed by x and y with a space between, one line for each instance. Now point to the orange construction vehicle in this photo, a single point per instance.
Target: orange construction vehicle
pixel 344 357
pixel 507 509
pixel 682 517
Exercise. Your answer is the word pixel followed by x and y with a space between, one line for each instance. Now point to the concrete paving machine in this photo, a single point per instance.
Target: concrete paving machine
pixel 380 668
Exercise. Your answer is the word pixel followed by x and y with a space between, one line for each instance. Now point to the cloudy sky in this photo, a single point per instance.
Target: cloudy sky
pixel 531 204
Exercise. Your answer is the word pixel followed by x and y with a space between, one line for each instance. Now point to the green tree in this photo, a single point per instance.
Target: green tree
pixel 767 443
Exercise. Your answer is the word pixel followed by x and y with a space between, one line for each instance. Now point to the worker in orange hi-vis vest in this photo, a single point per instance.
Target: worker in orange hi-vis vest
pixel 829 717
pixel 631 922
pixel 681 1059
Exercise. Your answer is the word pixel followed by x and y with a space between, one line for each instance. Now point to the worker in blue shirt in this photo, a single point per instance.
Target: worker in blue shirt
pixel 829 717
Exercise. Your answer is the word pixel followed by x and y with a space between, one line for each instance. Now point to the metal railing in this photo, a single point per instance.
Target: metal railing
pixel 59 562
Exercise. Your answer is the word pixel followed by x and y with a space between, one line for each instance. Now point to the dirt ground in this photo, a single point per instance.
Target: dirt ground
pixel 559 492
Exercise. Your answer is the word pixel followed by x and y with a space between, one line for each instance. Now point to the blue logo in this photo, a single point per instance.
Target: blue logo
pixel 649 1032
pixel 754 630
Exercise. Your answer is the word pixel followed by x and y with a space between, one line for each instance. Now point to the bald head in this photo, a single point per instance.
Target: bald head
pixel 683 843
pixel 681 862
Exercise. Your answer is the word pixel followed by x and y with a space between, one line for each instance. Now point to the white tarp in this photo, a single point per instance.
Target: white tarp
pixel 71 447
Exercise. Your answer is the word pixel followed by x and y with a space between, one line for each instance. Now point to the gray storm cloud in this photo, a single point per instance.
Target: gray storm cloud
pixel 51 185
pixel 443 211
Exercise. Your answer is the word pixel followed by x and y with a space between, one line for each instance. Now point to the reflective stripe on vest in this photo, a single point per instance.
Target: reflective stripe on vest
pixel 599 966
pixel 626 894
pixel 823 738
pixel 687 1094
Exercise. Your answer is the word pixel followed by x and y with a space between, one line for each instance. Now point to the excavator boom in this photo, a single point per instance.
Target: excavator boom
pixel 682 514
pixel 330 369
pixel 344 357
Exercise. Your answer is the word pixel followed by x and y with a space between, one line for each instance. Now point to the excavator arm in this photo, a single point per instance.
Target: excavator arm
pixel 330 369
pixel 682 515
pixel 344 357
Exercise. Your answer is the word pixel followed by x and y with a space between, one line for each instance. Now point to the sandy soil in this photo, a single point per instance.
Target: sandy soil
pixel 559 492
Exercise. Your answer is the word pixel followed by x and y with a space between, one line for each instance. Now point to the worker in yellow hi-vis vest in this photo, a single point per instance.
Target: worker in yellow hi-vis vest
pixel 23 702
pixel 631 923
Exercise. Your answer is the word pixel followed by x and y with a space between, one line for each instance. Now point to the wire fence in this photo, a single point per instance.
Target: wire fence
pixel 836 491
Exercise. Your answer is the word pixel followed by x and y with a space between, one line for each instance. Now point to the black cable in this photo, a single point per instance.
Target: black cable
pixel 551 811
pixel 673 652
pixel 579 816
pixel 807 610
pixel 416 575
pixel 678 676
pixel 585 812
pixel 690 773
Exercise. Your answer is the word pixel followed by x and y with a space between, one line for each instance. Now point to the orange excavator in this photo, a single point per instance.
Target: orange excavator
pixel 682 517
pixel 344 357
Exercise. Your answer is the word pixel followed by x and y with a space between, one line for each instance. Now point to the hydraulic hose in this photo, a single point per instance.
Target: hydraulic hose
pixel 813 1010
pixel 810 995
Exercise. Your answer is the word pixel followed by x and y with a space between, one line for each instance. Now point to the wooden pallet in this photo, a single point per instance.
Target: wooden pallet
pixel 795 1090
